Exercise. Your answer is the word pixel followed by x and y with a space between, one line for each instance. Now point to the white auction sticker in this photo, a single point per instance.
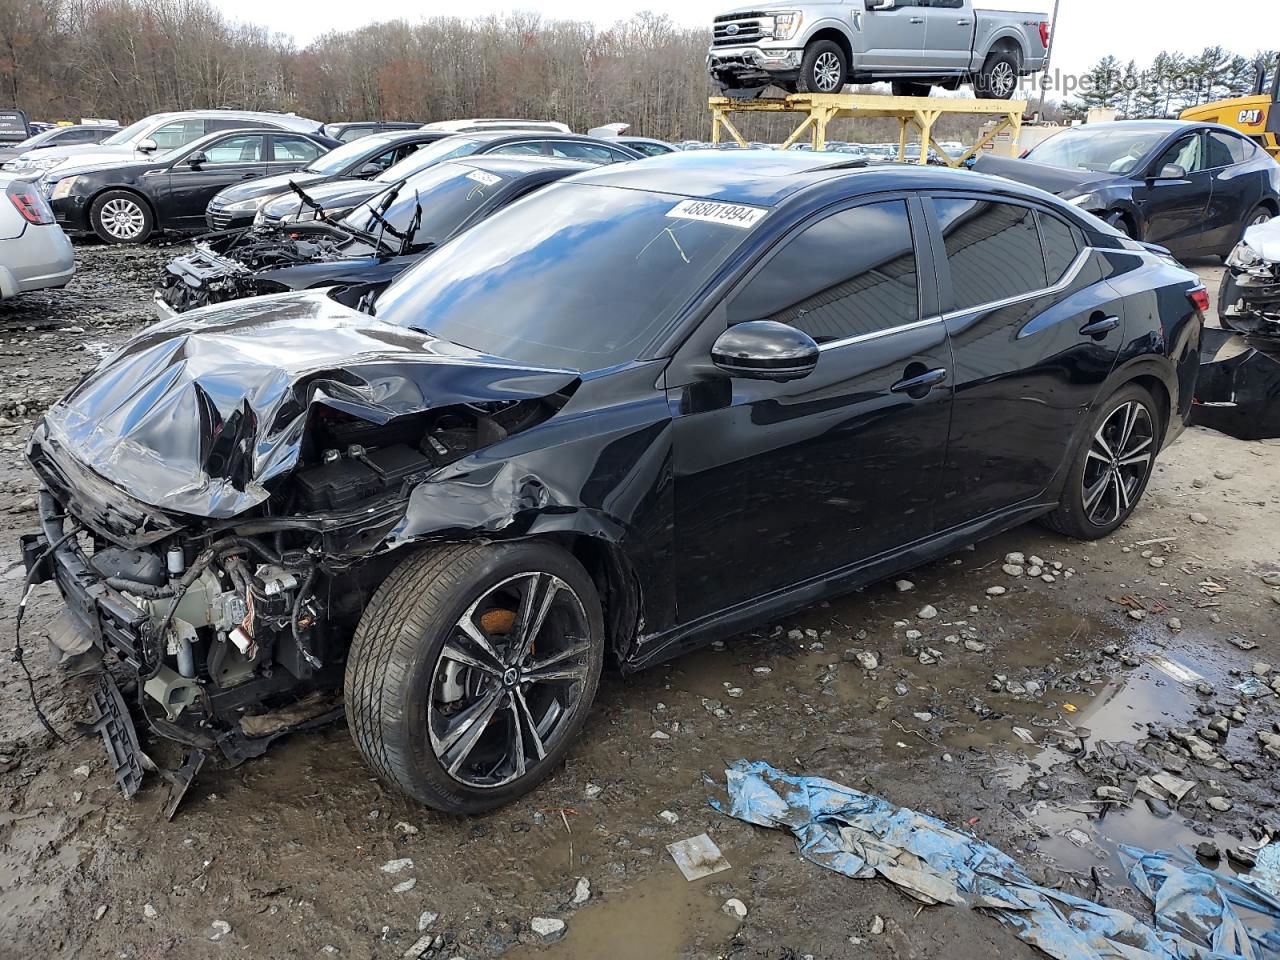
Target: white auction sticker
pixel 711 211
pixel 479 176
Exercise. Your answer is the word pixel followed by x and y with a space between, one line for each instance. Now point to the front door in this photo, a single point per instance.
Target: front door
pixel 948 39
pixel 781 483
pixel 1175 208
pixel 1035 331
pixel 892 38
pixel 195 179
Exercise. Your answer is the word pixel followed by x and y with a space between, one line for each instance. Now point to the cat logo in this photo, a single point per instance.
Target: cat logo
pixel 1250 118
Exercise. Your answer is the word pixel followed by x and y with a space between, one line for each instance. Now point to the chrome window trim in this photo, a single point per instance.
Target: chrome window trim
pixel 874 335
pixel 1068 278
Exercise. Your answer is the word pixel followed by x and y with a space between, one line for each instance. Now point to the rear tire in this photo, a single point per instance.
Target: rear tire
pixel 444 698
pixel 823 69
pixel 1113 461
pixel 998 79
pixel 121 216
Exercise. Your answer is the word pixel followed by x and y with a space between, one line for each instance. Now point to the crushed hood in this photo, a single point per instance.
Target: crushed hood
pixel 1265 240
pixel 199 414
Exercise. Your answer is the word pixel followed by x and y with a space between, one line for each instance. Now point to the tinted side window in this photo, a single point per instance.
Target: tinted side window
pixel 242 149
pixel 1062 244
pixel 295 149
pixel 1225 149
pixel 178 133
pixel 849 274
pixel 79 136
pixel 528 148
pixel 214 124
pixel 993 250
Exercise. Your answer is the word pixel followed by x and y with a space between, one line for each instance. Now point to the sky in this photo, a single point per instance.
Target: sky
pixel 1087 29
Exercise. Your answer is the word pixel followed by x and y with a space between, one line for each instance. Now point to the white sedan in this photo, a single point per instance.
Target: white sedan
pixel 34 252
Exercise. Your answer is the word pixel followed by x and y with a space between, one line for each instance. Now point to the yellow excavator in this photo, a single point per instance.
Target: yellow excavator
pixel 1256 116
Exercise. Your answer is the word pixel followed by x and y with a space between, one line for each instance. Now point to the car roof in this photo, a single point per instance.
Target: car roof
pixel 388 137
pixel 515 165
pixel 516 136
pixel 1163 126
pixel 769 177
pixel 290 120
pixel 241 131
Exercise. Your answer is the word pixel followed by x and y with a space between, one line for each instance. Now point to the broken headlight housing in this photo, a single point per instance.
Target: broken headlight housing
pixel 1243 257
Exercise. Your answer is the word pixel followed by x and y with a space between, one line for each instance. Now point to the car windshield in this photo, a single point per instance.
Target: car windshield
pixel 448 193
pixel 339 158
pixel 1100 148
pixel 128 133
pixel 428 156
pixel 577 275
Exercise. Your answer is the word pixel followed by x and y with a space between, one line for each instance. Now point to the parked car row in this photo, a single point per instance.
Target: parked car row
pixel 547 434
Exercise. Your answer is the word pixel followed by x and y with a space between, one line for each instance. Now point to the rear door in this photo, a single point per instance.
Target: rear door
pixel 227 160
pixel 1175 209
pixel 948 41
pixel 893 38
pixel 1035 330
pixel 778 483
pixel 1235 189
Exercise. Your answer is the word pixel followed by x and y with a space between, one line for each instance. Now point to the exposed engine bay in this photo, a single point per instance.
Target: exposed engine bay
pixel 230 580
pixel 1250 297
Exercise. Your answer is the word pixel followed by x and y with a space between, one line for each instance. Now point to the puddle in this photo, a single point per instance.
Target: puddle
pixel 662 916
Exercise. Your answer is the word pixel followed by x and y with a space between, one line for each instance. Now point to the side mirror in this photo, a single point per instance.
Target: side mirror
pixel 765 350
pixel 197 160
pixel 148 145
pixel 1172 171
pixel 371 170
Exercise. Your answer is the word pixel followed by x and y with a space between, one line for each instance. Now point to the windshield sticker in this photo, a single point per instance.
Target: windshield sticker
pixel 479 176
pixel 729 214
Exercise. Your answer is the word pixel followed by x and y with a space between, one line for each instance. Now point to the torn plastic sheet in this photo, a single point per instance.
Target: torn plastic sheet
pixel 200 413
pixel 1265 875
pixel 863 836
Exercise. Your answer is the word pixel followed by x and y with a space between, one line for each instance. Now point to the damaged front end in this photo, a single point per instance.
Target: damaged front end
pixel 247 263
pixel 223 495
pixel 1249 302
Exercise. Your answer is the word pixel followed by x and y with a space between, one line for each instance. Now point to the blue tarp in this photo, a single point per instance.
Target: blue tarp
pixel 861 836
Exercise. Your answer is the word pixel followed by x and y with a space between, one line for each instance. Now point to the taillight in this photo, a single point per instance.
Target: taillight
pixel 28 202
pixel 1199 298
pixel 1044 33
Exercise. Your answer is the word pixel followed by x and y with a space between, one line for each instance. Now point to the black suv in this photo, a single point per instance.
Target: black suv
pixel 553 443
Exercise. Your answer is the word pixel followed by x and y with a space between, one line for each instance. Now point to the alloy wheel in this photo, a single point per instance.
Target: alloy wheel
pixel 1003 79
pixel 1261 217
pixel 826 72
pixel 122 218
pixel 509 679
pixel 1117 463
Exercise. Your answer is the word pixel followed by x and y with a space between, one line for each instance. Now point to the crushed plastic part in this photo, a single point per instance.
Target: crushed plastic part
pixel 1265 875
pixel 1238 396
pixel 864 836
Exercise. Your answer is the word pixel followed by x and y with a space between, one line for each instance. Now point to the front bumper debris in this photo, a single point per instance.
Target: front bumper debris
pixel 735 67
pixel 1239 395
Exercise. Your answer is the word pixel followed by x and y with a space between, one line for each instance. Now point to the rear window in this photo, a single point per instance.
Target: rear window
pixel 1062 244
pixel 579 276
pixel 993 250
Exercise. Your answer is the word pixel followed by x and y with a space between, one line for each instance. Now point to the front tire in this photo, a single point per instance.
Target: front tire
pixel 823 69
pixel 472 670
pixel 121 216
pixel 1113 463
pixel 998 79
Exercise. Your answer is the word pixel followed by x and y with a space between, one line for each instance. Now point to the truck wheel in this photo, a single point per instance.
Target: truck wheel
pixel 1113 462
pixel 120 216
pixel 823 69
pixel 999 77
pixel 910 88
pixel 472 670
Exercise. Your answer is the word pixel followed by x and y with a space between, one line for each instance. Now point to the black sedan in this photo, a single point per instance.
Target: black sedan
pixel 553 443
pixel 1193 188
pixel 340 196
pixel 372 245
pixel 361 159
pixel 126 201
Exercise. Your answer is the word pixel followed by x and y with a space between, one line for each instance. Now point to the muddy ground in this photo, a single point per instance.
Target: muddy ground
pixel 282 856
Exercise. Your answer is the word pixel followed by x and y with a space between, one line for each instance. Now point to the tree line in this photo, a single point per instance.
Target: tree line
pixel 1171 83
pixel 124 59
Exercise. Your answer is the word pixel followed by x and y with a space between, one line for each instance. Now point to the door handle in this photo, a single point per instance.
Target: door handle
pixel 919 385
pixel 963 23
pixel 916 20
pixel 1099 326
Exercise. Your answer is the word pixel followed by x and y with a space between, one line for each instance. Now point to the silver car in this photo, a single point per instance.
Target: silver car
pixel 34 252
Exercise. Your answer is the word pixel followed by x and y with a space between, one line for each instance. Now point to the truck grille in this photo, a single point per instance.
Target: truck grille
pixel 217 219
pixel 738 28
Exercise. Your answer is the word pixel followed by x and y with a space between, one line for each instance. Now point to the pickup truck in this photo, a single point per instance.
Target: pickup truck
pixel 818 47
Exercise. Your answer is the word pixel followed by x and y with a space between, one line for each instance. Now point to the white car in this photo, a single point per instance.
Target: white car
pixel 480 125
pixel 34 252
